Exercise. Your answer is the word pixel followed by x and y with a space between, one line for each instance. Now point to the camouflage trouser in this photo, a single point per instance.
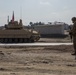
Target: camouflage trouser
pixel 74 43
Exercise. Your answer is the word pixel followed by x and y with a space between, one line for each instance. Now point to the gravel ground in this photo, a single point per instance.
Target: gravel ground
pixel 40 60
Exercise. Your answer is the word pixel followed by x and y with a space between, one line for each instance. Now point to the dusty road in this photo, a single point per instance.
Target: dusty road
pixel 32 44
pixel 54 40
pixel 49 60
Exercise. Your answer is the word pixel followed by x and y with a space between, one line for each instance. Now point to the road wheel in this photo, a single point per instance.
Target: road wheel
pixel 29 40
pixel 16 40
pixel 32 40
pixel 2 40
pixel 20 40
pixel 24 40
pixel 6 40
pixel 10 40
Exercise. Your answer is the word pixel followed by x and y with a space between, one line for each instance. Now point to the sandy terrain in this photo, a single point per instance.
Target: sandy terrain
pixel 49 60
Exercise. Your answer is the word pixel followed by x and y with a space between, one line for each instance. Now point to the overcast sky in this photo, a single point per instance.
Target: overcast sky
pixel 38 10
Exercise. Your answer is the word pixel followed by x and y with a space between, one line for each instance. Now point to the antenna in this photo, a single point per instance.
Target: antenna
pixel 8 19
pixel 21 12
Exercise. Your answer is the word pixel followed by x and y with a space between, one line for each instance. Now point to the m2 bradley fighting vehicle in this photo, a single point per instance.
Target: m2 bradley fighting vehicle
pixel 14 32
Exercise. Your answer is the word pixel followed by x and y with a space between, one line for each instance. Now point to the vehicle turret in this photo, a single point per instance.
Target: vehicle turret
pixel 14 25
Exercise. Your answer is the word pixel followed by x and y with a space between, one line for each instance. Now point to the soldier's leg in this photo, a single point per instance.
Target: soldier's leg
pixel 74 45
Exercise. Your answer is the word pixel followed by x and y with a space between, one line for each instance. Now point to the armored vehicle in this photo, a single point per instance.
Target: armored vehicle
pixel 14 32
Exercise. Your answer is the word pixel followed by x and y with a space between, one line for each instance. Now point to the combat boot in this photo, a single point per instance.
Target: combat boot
pixel 74 53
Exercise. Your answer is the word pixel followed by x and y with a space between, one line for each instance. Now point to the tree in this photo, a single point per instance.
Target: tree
pixel 31 23
pixel 40 23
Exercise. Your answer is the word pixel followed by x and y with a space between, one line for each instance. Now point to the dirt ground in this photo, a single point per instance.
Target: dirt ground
pixel 49 60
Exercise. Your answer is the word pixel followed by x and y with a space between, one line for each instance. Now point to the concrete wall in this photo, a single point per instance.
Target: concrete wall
pixel 50 29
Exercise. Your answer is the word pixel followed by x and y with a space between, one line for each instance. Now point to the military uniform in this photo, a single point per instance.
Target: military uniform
pixel 73 33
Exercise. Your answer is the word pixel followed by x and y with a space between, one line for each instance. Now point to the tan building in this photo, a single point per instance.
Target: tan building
pixel 49 29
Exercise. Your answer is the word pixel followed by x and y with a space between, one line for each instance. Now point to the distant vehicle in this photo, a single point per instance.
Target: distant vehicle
pixel 14 32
